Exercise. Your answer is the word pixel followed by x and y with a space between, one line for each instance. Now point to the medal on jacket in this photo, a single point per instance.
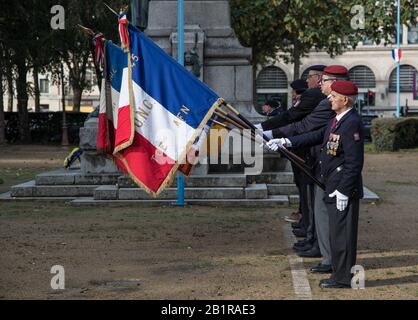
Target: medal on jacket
pixel 332 144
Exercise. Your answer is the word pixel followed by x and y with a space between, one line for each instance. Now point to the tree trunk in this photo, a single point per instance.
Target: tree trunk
pixel 254 67
pixel 10 93
pixel 22 101
pixel 296 68
pixel 296 65
pixel 77 92
pixel 2 125
pixel 36 89
pixel 98 73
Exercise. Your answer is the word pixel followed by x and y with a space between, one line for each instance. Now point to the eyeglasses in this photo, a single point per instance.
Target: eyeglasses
pixel 315 74
pixel 324 80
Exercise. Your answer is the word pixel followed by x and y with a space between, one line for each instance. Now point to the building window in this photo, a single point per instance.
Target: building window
pixel 413 35
pixel 44 86
pixel 271 84
pixel 365 80
pixel 272 77
pixel 363 77
pixel 406 79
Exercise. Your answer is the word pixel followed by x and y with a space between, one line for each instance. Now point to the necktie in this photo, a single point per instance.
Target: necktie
pixel 334 123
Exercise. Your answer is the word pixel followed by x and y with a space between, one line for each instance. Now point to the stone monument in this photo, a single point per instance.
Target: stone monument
pixel 225 64
pixel 213 54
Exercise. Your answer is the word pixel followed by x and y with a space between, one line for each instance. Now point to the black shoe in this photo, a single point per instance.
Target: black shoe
pixel 302 243
pixel 296 225
pixel 321 268
pixel 312 253
pixel 306 247
pixel 331 284
pixel 300 233
pixel 325 280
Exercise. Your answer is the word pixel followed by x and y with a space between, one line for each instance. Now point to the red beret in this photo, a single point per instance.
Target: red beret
pixel 336 70
pixel 344 87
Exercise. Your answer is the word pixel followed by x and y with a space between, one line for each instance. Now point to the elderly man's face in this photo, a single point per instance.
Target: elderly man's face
pixel 339 102
pixel 326 82
pixel 313 79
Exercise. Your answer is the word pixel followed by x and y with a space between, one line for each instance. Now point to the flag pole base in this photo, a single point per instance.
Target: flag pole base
pixel 178 204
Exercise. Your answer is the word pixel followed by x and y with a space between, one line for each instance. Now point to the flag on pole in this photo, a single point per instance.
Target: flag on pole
pixel 115 61
pixel 159 110
pixel 397 54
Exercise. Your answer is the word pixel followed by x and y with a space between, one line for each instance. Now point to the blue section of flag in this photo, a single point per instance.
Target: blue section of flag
pixel 116 61
pixel 169 83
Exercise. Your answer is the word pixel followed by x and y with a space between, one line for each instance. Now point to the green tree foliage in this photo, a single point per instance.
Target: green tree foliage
pixel 30 44
pixel 76 47
pixel 295 27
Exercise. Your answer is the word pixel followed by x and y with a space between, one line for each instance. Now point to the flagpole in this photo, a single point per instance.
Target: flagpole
pixel 398 63
pixel 180 59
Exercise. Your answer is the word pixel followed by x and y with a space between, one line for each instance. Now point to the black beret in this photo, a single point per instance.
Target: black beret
pixel 299 86
pixel 317 67
pixel 273 103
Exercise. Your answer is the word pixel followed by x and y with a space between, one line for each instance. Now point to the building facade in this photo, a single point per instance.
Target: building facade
pixel 370 66
pixel 51 95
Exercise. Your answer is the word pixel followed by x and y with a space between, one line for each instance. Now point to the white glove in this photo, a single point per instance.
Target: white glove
pixel 275 144
pixel 259 126
pixel 342 200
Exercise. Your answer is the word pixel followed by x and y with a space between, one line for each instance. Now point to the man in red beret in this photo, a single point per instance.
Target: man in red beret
pixel 316 242
pixel 341 163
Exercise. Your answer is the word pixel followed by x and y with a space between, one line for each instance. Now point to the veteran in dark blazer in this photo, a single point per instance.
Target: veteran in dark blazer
pixel 341 163
pixel 318 118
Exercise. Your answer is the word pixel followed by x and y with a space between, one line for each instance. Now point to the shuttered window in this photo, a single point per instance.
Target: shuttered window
pixel 406 79
pixel 272 78
pixel 363 77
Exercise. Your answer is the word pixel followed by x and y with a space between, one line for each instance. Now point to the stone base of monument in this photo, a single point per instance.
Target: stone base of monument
pixel 267 189
pixel 217 189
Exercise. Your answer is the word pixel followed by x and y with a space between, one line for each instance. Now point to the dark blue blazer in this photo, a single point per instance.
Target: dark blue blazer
pixel 349 155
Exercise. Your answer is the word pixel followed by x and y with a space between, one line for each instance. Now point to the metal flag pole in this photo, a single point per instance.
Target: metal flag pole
pixel 180 59
pixel 398 63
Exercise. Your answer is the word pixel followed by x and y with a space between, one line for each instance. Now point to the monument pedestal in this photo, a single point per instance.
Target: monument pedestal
pixel 91 162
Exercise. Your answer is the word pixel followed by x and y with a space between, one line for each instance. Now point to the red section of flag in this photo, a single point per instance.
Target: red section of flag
pixel 104 143
pixel 123 136
pixel 145 163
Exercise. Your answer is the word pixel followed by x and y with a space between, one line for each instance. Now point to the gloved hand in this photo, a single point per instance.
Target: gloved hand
pixel 342 200
pixel 259 126
pixel 275 144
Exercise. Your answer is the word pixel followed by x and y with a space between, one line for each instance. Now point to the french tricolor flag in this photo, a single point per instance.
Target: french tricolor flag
pixel 397 54
pixel 159 108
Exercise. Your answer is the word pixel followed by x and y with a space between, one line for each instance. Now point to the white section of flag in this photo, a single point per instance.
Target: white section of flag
pixel 397 54
pixel 155 123
pixel 115 102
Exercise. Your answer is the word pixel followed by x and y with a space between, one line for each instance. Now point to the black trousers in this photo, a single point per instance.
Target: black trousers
pixel 343 229
pixel 311 235
pixel 303 196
